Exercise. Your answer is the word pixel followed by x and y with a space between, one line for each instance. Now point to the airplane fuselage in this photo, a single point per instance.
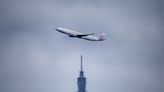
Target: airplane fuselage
pixel 72 33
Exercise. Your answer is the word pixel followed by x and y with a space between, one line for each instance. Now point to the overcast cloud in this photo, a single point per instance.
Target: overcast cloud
pixel 36 58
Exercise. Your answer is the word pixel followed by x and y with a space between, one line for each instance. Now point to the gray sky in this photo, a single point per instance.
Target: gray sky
pixel 35 58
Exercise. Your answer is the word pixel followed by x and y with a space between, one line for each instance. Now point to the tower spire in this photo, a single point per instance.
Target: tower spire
pixel 81 62
pixel 81 80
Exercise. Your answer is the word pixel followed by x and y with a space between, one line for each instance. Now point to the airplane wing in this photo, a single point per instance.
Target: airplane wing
pixel 81 35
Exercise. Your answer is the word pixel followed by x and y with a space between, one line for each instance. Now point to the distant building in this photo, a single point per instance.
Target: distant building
pixel 81 80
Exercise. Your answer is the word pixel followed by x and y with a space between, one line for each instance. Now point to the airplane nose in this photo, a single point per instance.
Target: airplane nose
pixel 58 28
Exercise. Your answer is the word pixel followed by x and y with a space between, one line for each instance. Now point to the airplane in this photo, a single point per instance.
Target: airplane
pixel 72 33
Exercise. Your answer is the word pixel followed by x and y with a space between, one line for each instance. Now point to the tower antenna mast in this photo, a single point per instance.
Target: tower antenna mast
pixel 81 62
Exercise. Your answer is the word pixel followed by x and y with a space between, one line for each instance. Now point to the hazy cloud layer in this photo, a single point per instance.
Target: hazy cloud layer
pixel 36 58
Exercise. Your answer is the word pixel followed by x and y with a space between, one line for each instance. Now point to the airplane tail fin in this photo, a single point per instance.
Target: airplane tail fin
pixel 101 37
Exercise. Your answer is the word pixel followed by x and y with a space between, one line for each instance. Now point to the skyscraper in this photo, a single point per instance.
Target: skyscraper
pixel 81 80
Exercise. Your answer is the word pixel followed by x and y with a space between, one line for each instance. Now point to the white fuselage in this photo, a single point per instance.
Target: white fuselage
pixel 69 32
pixel 91 38
pixel 72 33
